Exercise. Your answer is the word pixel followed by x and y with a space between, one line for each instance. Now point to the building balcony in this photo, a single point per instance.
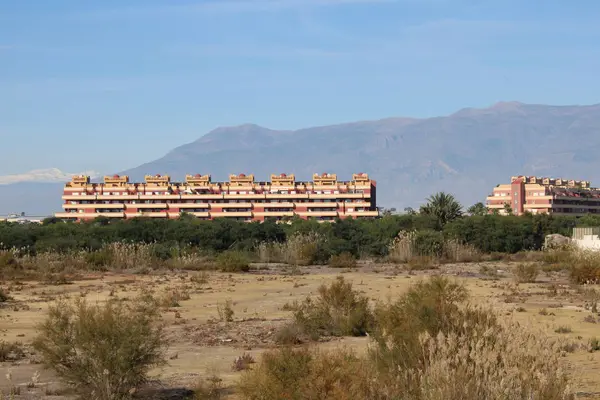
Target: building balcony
pixel 497 206
pixel 356 204
pixel 111 214
pixel 79 197
pixel 146 205
pixel 188 205
pixel 244 196
pixel 274 214
pixel 286 204
pixel 91 206
pixel 361 213
pixel 159 197
pixel 66 215
pixel 318 213
pixel 217 214
pixel 321 205
pixel 149 214
pixel 185 196
pixel 231 205
pixel 117 197
pixel 286 196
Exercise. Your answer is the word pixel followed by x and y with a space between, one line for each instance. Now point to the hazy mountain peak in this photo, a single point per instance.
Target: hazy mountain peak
pixel 43 175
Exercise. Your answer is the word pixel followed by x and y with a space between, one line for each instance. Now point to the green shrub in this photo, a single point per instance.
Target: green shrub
pixel 103 350
pixel 337 311
pixel 526 273
pixel 98 260
pixel 233 261
pixel 429 243
pixel 343 260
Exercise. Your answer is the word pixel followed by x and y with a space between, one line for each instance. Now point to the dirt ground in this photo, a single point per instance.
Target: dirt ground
pixel 201 345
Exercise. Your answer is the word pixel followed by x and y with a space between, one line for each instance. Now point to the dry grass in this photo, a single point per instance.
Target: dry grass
pixel 337 311
pixel 343 260
pixel 298 249
pixel 526 273
pixel 443 351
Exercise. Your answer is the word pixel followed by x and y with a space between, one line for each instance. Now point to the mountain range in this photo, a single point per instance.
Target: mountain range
pixel 466 153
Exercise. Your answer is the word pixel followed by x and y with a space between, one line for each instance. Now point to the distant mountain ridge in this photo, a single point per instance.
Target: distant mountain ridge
pixel 466 153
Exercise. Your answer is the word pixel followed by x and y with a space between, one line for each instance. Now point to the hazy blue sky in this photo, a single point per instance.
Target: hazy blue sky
pixel 109 84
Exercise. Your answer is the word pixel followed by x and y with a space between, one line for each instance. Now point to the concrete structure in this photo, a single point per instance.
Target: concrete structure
pixel 241 198
pixel 545 195
pixel 22 219
pixel 586 238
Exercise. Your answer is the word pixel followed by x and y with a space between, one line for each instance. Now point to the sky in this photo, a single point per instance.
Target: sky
pixel 108 85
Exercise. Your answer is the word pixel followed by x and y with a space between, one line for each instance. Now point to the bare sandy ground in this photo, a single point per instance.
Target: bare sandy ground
pixel 200 345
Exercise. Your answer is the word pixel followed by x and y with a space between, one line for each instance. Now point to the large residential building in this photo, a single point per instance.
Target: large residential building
pixel 545 195
pixel 242 198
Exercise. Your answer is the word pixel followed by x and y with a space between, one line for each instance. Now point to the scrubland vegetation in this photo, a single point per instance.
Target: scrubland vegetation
pixel 431 340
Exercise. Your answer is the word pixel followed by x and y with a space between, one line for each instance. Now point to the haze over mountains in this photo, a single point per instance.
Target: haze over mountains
pixel 466 153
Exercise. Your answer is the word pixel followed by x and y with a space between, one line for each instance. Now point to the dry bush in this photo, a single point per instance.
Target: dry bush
pixel 338 310
pixel 585 266
pixel 200 278
pixel 173 298
pixel 427 346
pixel 103 350
pixel 593 344
pixel 233 261
pixel 402 249
pixel 504 363
pixel 130 255
pixel 305 374
pixel 457 251
pixel 526 273
pixel 489 271
pixel 421 263
pixel 191 262
pixel 225 311
pixel 290 335
pixel 242 362
pixel 563 329
pixel 11 351
pixel 343 260
pixel 4 297
pixel 210 388
pixel 298 249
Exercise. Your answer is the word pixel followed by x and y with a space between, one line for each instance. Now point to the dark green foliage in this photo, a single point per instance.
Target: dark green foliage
pixel 371 238
pixel 443 207
pixel 233 261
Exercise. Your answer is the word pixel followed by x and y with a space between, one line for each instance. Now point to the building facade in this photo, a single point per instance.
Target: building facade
pixel 544 195
pixel 241 198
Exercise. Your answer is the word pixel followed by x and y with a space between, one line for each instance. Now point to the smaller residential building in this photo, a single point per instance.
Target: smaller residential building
pixel 544 195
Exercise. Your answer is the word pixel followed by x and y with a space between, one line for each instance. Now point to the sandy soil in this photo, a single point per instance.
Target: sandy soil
pixel 200 345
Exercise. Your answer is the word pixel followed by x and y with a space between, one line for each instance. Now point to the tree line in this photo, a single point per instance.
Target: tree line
pixel 441 218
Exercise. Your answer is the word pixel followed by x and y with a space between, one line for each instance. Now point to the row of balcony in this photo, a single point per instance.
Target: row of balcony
pixel 214 214
pixel 220 205
pixel 222 196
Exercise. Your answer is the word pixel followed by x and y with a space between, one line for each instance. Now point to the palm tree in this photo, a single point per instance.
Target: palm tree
pixel 444 207
pixel 478 209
